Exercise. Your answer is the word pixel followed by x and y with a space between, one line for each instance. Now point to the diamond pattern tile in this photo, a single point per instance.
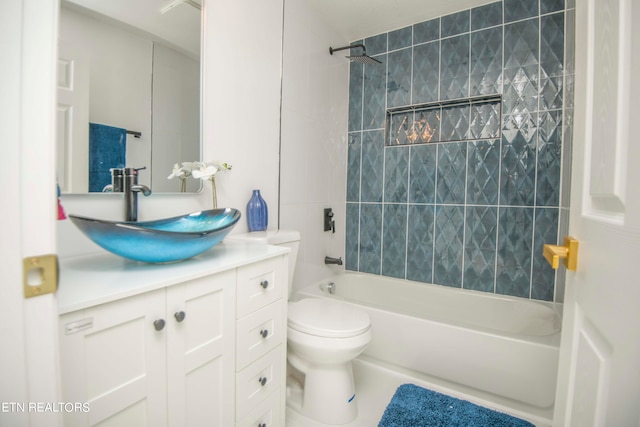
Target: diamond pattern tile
pixel 456 23
pixel 455 123
pixel 394 243
pixel 486 16
pixel 376 44
pixel 426 31
pixel 548 6
pixel 520 90
pixel 551 93
pixel 515 232
pixel 448 247
pixel 549 159
pixel 352 224
pixel 354 151
pixel 521 44
pixel 370 238
pixel 452 172
pixel 399 78
pixel 422 177
pixel 426 68
pixel 545 231
pixel 485 121
pixel 483 171
pixel 396 176
pixel 518 167
pixel 454 67
pixel 515 10
pixel 552 44
pixel 486 61
pixel 355 96
pixel 373 115
pixel 480 248
pixel 495 174
pixel 420 243
pixel 372 165
pixel 400 39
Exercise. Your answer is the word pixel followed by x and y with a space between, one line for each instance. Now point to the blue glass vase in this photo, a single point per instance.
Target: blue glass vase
pixel 257 212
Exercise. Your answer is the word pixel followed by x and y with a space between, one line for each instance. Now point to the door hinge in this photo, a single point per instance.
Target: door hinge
pixel 40 275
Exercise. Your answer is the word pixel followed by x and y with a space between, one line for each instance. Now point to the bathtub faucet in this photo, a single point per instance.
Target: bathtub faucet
pixel 330 260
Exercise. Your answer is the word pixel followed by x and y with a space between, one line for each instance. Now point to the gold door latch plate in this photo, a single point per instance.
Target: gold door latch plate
pixel 568 253
pixel 40 275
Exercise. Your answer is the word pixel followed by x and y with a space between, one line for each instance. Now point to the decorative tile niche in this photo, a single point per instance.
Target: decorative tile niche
pixel 463 194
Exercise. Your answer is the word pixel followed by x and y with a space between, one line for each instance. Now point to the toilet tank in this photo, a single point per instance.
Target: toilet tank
pixel 286 238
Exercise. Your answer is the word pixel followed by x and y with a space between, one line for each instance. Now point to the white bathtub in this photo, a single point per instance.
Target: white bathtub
pixel 500 345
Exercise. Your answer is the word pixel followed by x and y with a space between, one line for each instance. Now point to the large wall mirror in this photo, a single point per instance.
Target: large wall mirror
pixel 128 91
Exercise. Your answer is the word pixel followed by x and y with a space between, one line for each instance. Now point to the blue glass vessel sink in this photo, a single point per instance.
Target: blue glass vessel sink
pixel 162 240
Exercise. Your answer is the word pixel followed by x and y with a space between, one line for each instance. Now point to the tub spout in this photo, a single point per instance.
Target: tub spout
pixel 330 260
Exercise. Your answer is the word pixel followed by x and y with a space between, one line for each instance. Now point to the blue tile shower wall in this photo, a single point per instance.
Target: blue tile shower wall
pixel 472 213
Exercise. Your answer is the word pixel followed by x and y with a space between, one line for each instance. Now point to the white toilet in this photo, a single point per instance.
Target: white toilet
pixel 323 337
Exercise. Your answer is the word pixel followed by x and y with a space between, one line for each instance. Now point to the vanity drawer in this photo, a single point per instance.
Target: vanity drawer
pixel 259 332
pixel 258 380
pixel 260 284
pixel 266 414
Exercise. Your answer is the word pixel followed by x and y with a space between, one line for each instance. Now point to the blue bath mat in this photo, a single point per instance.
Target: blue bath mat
pixel 413 406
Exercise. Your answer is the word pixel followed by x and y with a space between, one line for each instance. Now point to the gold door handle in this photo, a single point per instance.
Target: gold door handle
pixel 568 253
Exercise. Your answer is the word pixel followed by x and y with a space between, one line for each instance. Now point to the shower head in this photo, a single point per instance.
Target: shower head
pixel 361 59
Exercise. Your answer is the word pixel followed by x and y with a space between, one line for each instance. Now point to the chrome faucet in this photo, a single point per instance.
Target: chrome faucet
pixel 330 260
pixel 125 180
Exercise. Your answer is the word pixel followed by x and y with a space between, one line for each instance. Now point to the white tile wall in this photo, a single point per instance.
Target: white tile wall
pixel 314 132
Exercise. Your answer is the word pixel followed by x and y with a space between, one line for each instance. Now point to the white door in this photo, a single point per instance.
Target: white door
pixel 72 120
pixel 599 376
pixel 29 355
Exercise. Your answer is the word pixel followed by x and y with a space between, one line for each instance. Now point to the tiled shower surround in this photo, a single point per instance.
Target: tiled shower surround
pixel 462 196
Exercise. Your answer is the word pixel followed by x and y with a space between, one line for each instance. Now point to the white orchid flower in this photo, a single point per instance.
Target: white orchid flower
pixel 205 171
pixel 176 172
pixel 189 167
pixel 199 170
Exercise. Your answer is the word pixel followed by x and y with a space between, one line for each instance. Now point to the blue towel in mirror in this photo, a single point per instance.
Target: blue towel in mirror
pixel 107 149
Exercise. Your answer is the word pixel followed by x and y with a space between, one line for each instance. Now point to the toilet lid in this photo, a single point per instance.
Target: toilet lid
pixel 327 318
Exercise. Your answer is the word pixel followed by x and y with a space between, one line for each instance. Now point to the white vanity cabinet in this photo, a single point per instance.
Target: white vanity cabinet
pixel 207 350
pixel 162 358
pixel 261 344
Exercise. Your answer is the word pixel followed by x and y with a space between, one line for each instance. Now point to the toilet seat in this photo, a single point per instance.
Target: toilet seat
pixel 327 318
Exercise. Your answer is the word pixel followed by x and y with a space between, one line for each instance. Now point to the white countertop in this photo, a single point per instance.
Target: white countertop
pixel 95 279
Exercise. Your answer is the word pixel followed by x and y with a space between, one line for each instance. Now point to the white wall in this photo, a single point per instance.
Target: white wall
pixel 314 139
pixel 241 121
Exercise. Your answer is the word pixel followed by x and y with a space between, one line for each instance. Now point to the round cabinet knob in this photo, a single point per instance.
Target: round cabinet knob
pixel 264 333
pixel 180 315
pixel 262 380
pixel 264 284
pixel 159 324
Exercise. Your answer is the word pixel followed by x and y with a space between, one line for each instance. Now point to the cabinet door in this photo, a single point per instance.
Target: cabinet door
pixel 113 358
pixel 200 351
